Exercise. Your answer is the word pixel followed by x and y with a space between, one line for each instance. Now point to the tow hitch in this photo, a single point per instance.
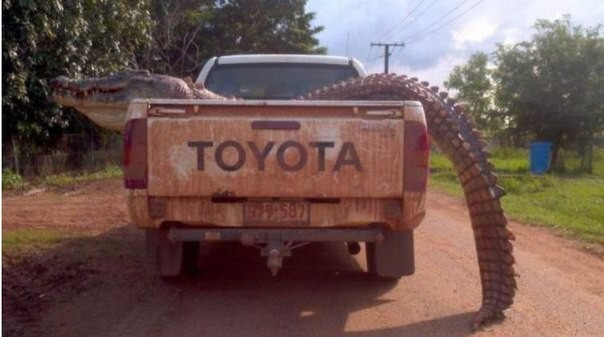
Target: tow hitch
pixel 275 250
pixel 276 244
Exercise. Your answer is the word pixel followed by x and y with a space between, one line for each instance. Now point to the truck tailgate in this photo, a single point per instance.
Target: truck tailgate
pixel 276 149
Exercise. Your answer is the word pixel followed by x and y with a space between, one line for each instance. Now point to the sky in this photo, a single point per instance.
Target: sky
pixel 438 34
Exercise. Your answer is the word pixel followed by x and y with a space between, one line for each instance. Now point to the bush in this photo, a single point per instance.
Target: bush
pixel 11 180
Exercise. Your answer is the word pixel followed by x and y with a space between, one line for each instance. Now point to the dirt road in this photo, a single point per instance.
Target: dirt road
pixel 99 285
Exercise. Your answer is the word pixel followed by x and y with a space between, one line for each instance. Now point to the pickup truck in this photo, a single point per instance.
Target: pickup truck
pixel 276 173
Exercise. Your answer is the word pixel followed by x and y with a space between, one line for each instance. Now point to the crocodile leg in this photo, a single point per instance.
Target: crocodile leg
pixel 453 131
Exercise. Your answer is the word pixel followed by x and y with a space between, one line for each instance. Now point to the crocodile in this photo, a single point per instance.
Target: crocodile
pixel 449 126
pixel 105 99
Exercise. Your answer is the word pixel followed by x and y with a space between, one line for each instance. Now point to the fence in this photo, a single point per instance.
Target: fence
pixel 75 153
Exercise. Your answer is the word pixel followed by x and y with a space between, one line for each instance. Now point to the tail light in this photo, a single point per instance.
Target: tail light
pixel 135 154
pixel 416 157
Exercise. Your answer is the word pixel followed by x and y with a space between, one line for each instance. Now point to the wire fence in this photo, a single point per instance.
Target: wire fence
pixel 75 153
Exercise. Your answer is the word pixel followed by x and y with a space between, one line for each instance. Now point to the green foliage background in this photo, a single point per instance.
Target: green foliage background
pixel 82 38
pixel 44 39
pixel 474 83
pixel 549 88
pixel 186 33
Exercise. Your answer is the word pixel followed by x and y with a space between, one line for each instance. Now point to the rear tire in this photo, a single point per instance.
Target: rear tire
pixel 393 257
pixel 171 258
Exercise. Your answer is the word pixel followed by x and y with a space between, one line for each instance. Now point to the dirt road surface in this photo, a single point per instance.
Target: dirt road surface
pixel 96 282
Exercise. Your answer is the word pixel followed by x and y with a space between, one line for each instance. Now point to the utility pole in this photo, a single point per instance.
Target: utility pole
pixel 387 51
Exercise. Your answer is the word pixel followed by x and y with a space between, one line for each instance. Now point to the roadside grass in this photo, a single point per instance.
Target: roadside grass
pixel 572 204
pixel 65 179
pixel 13 181
pixel 16 241
pixel 516 161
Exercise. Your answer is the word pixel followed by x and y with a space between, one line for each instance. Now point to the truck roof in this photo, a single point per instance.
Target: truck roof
pixel 283 58
pixel 280 58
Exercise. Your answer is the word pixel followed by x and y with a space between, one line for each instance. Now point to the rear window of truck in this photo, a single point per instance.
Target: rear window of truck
pixel 274 81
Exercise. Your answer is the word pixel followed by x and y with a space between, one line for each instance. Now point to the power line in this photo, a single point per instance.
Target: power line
pixel 417 17
pixel 368 60
pixel 427 27
pixel 371 55
pixel 402 20
pixel 387 52
pixel 418 36
pixel 397 52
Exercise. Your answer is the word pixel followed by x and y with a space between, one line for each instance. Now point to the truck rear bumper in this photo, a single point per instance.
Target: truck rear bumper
pixel 398 214
pixel 250 236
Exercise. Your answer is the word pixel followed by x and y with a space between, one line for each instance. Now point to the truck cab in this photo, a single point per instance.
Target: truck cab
pixel 275 76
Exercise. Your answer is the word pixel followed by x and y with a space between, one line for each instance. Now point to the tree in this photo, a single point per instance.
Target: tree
pixel 475 88
pixel 180 32
pixel 188 32
pixel 82 38
pixel 45 39
pixel 266 26
pixel 552 87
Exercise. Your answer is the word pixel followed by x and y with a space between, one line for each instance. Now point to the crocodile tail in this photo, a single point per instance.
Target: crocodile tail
pixel 456 135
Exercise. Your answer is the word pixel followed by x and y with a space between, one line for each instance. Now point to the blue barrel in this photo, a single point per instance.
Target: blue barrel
pixel 541 154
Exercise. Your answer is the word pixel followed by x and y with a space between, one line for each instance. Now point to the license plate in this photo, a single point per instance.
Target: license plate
pixel 276 213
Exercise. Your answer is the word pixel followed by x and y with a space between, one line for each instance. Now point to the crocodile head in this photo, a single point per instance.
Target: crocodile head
pixel 105 99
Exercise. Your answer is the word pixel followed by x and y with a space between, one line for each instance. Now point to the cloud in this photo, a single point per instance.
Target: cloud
pixel 474 31
pixel 436 74
pixel 351 25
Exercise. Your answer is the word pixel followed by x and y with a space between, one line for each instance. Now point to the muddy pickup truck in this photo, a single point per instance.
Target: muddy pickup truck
pixel 276 173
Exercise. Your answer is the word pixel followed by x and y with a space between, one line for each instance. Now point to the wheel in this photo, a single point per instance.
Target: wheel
pixel 170 258
pixel 393 257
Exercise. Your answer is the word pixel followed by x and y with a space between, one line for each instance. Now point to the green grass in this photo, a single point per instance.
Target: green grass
pixel 598 162
pixel 505 159
pixel 573 204
pixel 64 179
pixel 18 240
pixel 446 182
pixel 509 160
pixel 516 161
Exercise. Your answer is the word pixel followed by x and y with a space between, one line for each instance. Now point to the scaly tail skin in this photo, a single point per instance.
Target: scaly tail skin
pixel 455 134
